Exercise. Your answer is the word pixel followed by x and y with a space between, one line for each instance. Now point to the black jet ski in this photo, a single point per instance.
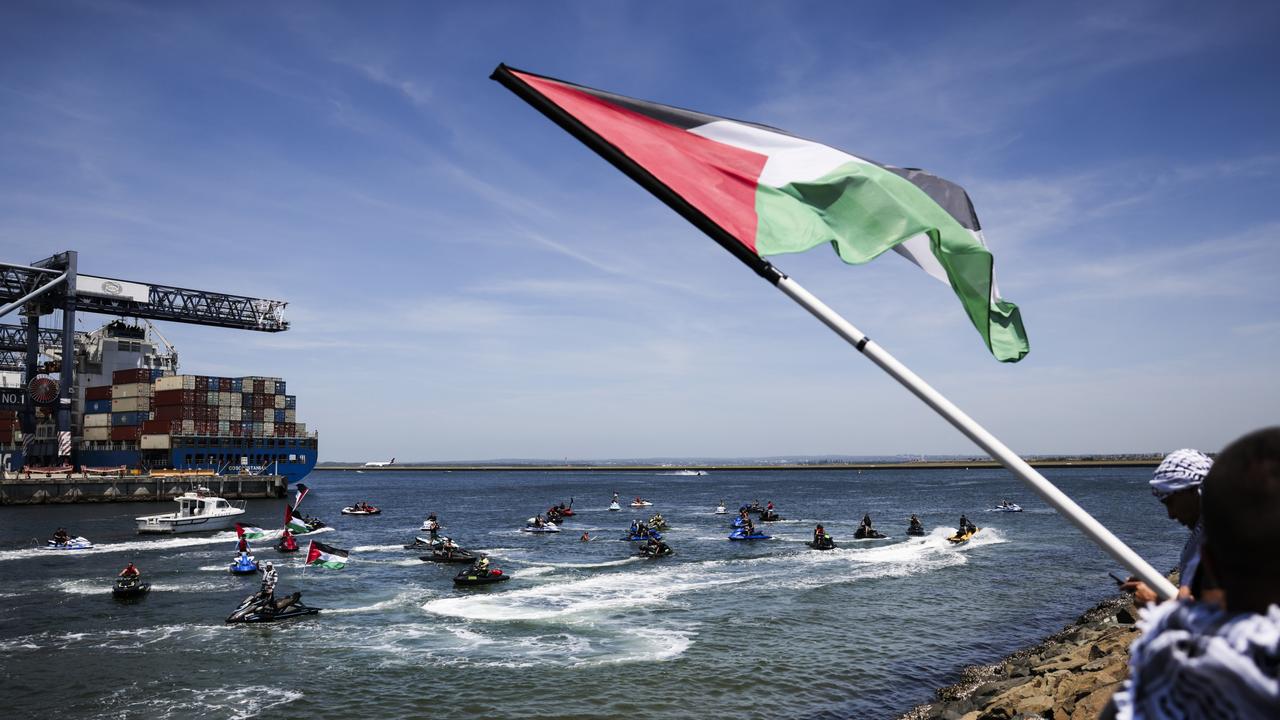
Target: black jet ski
pixel 257 609
pixel 768 515
pixel 656 550
pixel 130 587
pixel 456 555
pixel 470 577
pixel 916 530
pixel 827 543
pixel 865 533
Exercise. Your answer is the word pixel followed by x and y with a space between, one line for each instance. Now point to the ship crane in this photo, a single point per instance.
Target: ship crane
pixel 55 284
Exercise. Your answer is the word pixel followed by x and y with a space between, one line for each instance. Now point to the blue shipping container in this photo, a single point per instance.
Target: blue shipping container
pixel 97 406
pixel 127 418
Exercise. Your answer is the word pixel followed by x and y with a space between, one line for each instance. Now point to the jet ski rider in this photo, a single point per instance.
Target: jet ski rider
pixel 432 526
pixel 866 521
pixel 130 571
pixel 965 525
pixel 915 523
pixel 481 566
pixel 269 579
pixel 61 536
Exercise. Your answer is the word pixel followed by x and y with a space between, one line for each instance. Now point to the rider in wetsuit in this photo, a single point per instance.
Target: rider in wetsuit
pixel 965 525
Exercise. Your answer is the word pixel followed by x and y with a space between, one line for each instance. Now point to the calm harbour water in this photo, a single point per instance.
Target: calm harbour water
pixel 762 629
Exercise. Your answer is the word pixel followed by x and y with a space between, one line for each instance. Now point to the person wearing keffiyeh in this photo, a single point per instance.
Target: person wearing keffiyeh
pixel 1176 483
pixel 1199 660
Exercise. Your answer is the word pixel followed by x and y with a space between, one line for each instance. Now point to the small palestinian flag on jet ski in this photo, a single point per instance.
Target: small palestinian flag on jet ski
pixel 293 524
pixel 326 555
pixel 301 493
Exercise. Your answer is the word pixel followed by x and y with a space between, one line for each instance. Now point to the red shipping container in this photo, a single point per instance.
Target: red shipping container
pixel 202 383
pixel 175 397
pixel 133 375
pixel 126 432
pixel 99 392
pixel 224 385
pixel 259 414
pixel 176 412
pixel 162 427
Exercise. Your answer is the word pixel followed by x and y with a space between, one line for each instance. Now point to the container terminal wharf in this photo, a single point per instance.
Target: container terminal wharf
pixel 1144 461
pixel 42 488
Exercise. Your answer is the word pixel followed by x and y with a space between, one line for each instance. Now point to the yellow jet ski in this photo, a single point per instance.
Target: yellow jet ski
pixel 959 538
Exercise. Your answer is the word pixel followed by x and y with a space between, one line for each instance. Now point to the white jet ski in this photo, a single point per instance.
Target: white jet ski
pixel 75 543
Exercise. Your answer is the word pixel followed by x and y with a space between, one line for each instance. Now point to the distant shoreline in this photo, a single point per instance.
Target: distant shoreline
pixel 923 465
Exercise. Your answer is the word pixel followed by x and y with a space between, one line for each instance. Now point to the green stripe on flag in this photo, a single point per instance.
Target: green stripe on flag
pixel 863 210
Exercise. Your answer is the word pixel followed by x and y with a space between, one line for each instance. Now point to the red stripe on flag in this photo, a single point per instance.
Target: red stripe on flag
pixel 313 552
pixel 719 180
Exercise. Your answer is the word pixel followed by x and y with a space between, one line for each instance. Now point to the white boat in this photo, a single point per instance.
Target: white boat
pixel 198 511
pixel 721 510
pixel 614 506
pixel 1007 507
pixel 638 503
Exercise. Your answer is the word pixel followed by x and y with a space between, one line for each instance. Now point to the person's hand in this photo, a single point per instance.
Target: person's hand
pixel 1142 593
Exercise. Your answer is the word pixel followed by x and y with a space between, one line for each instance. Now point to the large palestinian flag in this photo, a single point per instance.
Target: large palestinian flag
pixel 759 191
pixel 326 555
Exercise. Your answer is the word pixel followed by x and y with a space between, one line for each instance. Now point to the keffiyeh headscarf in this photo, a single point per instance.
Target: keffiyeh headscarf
pixel 1196 661
pixel 1180 470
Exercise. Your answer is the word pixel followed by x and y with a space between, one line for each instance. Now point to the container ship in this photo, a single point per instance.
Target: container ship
pixel 133 412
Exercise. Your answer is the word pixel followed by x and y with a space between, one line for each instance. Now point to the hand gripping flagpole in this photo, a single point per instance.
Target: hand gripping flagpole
pixel 1093 529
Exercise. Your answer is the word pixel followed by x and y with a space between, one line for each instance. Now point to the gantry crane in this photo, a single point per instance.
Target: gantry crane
pixel 55 284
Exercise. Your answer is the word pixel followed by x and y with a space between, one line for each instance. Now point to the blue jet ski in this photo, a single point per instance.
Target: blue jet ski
pixel 741 534
pixel 739 522
pixel 244 564
pixel 634 537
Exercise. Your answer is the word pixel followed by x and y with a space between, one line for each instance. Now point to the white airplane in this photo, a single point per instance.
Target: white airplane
pixel 392 461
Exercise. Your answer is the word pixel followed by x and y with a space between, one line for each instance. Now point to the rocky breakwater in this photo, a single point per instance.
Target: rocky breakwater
pixel 1069 675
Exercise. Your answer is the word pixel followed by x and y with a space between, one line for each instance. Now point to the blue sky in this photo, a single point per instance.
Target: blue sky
pixel 466 281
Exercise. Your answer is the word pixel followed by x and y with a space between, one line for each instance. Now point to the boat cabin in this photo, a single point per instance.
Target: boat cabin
pixel 192 505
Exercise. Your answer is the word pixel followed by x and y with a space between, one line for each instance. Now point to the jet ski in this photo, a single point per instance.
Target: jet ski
pixel 657 522
pixel 257 609
pixel 456 555
pixel 739 522
pixel 1007 507
pixel 637 537
pixel 313 524
pixel 75 543
pixel 614 506
pixel 290 546
pixel 547 528
pixel 741 534
pixel 129 587
pixel 366 510
pixel 244 564
pixel 720 509
pixel 638 503
pixel 768 515
pixel 655 550
pixel 827 543
pixel 865 533
pixel 961 538
pixel 755 507
pixel 916 530
pixel 468 578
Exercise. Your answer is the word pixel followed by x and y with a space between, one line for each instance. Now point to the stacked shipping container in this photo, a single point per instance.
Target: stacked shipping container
pixel 146 407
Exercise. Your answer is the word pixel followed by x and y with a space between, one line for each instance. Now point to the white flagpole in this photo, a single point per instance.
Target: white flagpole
pixel 1093 529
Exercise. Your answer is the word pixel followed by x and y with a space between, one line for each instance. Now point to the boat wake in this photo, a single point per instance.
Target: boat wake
pixel 226 537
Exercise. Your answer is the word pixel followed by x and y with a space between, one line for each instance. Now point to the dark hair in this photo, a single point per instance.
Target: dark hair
pixel 1241 509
